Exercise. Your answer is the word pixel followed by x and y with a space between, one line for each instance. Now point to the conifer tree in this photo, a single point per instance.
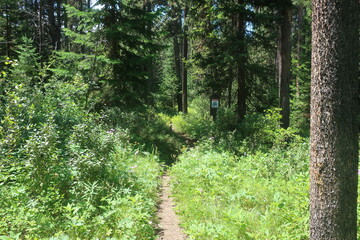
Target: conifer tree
pixel 334 120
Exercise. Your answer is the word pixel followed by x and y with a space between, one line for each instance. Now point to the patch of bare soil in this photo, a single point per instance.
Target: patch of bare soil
pixel 168 221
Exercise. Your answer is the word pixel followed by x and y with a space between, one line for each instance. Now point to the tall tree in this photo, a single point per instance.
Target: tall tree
pixel 8 27
pixel 284 62
pixel 334 125
pixel 241 59
pixel 132 48
pixel 176 26
pixel 184 67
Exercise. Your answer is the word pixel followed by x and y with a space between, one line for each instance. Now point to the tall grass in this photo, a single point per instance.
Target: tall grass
pixel 260 196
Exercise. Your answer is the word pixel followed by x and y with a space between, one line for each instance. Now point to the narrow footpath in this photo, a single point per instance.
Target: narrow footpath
pixel 168 221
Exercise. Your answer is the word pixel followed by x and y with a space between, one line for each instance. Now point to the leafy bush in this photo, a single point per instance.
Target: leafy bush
pixel 148 130
pixel 193 124
pixel 197 123
pixel 98 185
pixel 66 173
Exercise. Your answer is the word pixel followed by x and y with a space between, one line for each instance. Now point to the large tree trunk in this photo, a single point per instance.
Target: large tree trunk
pixel 284 64
pixel 184 68
pixel 334 125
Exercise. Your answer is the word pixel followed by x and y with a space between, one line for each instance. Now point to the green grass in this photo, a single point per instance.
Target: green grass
pixel 259 196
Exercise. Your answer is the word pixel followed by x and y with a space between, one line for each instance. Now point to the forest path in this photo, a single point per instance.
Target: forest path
pixel 168 220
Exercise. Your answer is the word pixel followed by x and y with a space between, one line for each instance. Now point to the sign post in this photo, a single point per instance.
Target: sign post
pixel 214 105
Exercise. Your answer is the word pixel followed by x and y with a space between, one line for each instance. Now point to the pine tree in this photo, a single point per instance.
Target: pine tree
pixel 284 62
pixel 334 120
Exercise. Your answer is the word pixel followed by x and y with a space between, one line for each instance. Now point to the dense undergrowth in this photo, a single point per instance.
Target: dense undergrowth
pixel 246 181
pixel 257 196
pixel 69 173
pixel 72 175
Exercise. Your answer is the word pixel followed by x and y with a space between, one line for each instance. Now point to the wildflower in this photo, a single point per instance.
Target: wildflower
pixel 110 131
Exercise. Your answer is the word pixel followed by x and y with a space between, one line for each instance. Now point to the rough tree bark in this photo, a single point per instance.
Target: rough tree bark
pixel 334 125
pixel 284 63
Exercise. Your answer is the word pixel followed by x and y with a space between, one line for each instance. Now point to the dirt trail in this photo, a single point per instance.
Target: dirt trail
pixel 169 222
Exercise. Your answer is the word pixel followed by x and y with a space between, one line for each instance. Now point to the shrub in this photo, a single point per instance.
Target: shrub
pixel 68 174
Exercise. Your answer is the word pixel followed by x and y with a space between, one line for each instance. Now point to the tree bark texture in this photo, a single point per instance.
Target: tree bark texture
pixel 334 125
pixel 284 64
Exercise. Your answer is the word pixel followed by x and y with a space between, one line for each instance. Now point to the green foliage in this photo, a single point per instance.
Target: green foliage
pixel 197 123
pixel 248 181
pixel 169 87
pixel 66 173
pixel 262 132
pixel 26 68
pixel 257 196
pixel 148 130
pixel 73 166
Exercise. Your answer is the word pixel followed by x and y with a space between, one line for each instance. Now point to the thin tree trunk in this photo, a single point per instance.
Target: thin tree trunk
pixel 41 31
pixel 241 87
pixel 175 31
pixel 284 64
pixel 230 88
pixel 149 66
pixel 8 31
pixel 299 43
pixel 58 26
pixel 177 60
pixel 113 44
pixel 51 22
pixel 66 25
pixel 334 120
pixel 184 68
